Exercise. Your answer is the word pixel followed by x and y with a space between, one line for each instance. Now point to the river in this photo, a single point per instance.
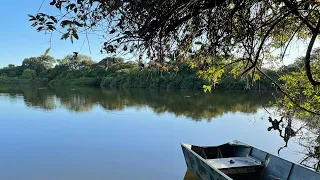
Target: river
pixel 90 133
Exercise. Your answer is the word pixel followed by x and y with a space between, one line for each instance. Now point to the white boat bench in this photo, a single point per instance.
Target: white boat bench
pixel 236 165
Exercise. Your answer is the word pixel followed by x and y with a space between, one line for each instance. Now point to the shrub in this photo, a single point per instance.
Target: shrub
pixel 29 74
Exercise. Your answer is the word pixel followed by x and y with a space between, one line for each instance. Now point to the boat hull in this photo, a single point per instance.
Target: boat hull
pixel 197 165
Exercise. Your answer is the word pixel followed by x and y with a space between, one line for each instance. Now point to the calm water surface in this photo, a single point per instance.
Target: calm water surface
pixel 87 133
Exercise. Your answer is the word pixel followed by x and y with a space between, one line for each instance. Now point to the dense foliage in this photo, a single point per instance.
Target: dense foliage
pixel 116 73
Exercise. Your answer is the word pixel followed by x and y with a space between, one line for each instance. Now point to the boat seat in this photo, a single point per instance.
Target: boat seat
pixel 236 165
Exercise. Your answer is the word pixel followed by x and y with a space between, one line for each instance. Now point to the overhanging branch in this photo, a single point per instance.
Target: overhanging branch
pixel 277 21
pixel 315 34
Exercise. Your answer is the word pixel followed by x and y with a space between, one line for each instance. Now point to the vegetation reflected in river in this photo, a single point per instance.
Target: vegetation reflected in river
pixel 196 105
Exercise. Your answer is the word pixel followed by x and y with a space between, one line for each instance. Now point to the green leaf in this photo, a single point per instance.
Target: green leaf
pixel 65 36
pixel 47 52
pixel 75 34
pixel 32 18
pixel 39 28
pixel 65 23
pixel 198 43
pixel 112 31
pixel 53 19
pixel 34 24
pixel 231 6
pixel 78 24
pixel 52 28
pixel 207 88
pixel 128 33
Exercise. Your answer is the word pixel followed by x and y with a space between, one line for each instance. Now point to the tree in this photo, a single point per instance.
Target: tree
pixel 243 32
pixel 11 71
pixel 29 74
pixel 38 64
pixel 76 62
pixel 108 61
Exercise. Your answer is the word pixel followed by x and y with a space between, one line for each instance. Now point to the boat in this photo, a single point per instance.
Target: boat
pixel 238 161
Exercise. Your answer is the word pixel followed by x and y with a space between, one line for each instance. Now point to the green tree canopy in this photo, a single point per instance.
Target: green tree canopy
pixel 114 60
pixel 38 64
pixel 11 65
pixel 106 62
pixel 76 62
pixel 29 74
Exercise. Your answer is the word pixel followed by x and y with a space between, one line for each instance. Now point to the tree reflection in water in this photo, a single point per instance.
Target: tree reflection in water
pixel 307 136
pixel 195 105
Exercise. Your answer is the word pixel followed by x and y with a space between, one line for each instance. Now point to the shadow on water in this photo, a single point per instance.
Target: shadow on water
pixel 196 105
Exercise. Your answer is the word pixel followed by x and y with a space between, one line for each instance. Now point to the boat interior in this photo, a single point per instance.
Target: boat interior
pixel 234 161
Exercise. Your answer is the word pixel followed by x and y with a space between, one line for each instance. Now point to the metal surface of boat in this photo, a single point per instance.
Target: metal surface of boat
pixel 238 161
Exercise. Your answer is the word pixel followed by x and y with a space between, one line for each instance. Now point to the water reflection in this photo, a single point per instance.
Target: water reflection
pixel 307 135
pixel 196 105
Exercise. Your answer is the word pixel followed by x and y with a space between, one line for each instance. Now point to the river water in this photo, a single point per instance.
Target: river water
pixel 90 133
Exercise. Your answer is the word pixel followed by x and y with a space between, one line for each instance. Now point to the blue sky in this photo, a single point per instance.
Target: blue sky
pixel 19 40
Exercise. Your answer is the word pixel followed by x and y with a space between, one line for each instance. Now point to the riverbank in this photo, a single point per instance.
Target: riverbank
pixel 127 75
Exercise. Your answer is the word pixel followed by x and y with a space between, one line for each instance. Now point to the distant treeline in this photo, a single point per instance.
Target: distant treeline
pixel 116 73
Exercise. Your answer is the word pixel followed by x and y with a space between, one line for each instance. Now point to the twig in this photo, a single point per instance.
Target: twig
pixel 41 6
pixel 88 42
pixel 289 41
